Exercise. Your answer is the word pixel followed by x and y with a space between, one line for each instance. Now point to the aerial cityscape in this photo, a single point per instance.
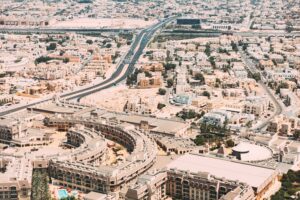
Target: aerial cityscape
pixel 150 100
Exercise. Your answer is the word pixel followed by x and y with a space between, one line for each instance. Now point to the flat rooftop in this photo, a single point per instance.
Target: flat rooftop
pixel 159 125
pixel 254 176
pixel 95 196
pixel 54 108
pixel 252 152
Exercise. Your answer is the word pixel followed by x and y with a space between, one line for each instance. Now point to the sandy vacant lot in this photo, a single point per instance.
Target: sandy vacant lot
pixel 115 98
pixel 103 23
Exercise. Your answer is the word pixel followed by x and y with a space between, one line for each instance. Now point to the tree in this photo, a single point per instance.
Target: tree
pixel 249 124
pixel 199 141
pixel 148 74
pixel 170 82
pixel 245 46
pixel 201 114
pixel 289 187
pixel 69 198
pixel 61 53
pixel 200 77
pixel 132 79
pixel 229 143
pixel 289 27
pixel 252 25
pixel 40 188
pixel 161 91
pixel 207 50
pixel 51 47
pixel 206 93
pixel 42 59
pixel 278 195
pixel 218 81
pixel 168 58
pixel 296 135
pixel 227 67
pixel 13 89
pixel 234 46
pixel 212 61
pixel 160 106
pixel 187 114
pixel 169 66
pixel 89 41
pixel 60 42
pixel 66 60
pixel 221 50
pixel 108 45
pixel 256 76
pixel 129 80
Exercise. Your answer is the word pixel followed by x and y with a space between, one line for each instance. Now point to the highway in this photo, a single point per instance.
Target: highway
pixel 199 33
pixel 136 49
pixel 132 56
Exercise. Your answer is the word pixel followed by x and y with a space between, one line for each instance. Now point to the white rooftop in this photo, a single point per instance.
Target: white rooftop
pixel 252 152
pixel 255 176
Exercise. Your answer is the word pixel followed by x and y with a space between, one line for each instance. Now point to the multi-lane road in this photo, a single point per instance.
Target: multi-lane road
pixel 124 68
pixel 199 33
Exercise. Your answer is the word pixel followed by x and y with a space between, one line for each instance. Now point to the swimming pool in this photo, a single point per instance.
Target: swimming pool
pixel 62 194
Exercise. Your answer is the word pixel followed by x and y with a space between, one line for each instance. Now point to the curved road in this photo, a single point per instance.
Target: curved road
pixel 250 66
pixel 141 42
pixel 132 56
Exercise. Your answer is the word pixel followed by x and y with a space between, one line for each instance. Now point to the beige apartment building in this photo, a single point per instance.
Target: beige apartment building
pixel 104 179
pixel 256 105
pixel 13 21
pixel 154 67
pixel 183 185
pixel 284 125
pixel 149 82
pixel 149 186
pixel 139 106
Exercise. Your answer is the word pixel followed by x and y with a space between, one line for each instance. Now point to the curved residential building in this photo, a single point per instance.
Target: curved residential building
pixel 87 176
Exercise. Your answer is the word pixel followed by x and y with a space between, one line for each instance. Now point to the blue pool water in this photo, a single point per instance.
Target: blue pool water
pixel 62 194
